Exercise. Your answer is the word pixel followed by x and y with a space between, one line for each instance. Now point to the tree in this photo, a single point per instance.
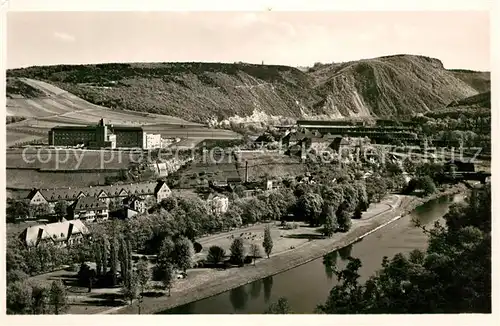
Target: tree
pixel 61 209
pixel 130 289
pixel 309 207
pixel 277 205
pixel 18 298
pixel 167 276
pixel 376 188
pixel 183 253
pixel 427 185
pixel 113 248
pixel 350 197
pixel 280 307
pixel 17 210
pixel 40 209
pixel 97 250
pixel 58 298
pixel 40 299
pixel 143 274
pixel 123 257
pixel 104 254
pixel 166 251
pixel 169 203
pixel 268 241
pixel 238 251
pixel 330 221
pixel 343 218
pixel 215 254
pixel 253 210
pixel 255 252
pixel 332 196
pixel 232 217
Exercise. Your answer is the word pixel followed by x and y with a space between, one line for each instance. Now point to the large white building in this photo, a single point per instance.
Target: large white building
pixel 151 141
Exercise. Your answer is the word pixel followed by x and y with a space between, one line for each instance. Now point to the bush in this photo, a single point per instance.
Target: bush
pixel 290 226
pixel 248 260
pixel 200 264
pixel 197 247
pixel 216 254
pixel 157 274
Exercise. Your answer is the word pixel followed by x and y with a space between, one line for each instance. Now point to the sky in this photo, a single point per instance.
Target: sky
pixel 460 39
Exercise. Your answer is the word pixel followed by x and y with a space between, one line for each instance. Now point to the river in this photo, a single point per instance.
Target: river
pixel 308 285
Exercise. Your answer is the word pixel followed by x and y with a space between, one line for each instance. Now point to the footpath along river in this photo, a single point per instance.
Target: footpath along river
pixel 308 285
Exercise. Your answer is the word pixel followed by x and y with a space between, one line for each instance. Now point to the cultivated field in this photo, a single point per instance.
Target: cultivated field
pixel 58 107
pixel 220 167
pixel 28 179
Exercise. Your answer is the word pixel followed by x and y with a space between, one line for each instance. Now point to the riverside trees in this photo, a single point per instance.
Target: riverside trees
pixel 452 276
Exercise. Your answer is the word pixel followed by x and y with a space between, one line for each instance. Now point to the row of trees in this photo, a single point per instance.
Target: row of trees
pixel 20 210
pixel 238 256
pixel 25 297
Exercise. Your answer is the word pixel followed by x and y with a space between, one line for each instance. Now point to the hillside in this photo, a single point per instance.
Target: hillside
pixel 479 80
pixel 481 100
pixel 468 108
pixel 392 86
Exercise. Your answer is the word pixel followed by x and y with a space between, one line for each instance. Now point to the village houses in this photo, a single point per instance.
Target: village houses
pixel 88 202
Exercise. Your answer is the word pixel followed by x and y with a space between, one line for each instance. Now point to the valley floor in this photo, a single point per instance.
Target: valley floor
pixel 291 249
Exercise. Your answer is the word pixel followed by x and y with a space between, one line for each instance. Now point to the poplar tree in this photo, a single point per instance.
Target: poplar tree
pixel 268 241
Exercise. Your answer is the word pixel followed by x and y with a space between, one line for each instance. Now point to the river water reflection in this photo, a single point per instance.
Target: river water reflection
pixel 308 285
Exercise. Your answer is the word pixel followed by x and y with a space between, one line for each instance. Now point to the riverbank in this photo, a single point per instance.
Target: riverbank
pixel 221 281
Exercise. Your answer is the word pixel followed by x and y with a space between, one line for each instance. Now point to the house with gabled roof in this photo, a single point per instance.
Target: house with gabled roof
pixel 35 197
pixel 162 191
pixel 218 203
pixel 135 203
pixel 60 234
pixel 159 190
pixel 89 209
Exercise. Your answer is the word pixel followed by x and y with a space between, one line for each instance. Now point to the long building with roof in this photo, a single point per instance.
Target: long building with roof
pixel 156 190
pixel 60 234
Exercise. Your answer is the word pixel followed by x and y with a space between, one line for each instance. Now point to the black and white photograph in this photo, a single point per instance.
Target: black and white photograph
pixel 263 162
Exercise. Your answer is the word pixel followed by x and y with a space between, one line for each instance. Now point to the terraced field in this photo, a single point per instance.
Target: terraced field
pixel 219 168
pixel 28 179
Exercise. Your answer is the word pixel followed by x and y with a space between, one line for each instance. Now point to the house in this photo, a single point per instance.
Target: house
pixel 272 184
pixel 60 233
pixel 232 181
pixel 36 198
pixel 158 190
pixel 89 209
pixel 217 202
pixel 292 138
pixel 162 191
pixel 251 192
pixel 135 203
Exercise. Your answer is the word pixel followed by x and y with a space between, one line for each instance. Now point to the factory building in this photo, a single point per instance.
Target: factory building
pixel 102 136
